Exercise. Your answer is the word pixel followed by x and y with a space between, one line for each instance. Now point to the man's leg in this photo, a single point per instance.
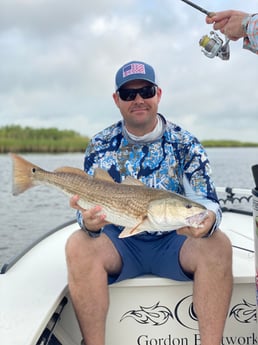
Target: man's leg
pixel 210 260
pixel 89 261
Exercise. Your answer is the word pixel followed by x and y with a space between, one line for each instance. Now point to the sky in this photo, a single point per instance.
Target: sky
pixel 58 60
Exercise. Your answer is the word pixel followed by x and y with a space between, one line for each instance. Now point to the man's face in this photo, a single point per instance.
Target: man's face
pixel 140 114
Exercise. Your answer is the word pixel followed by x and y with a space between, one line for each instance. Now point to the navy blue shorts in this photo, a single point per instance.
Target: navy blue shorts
pixel 148 254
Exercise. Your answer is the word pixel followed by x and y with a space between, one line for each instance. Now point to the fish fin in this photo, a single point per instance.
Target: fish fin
pixel 127 232
pixel 102 175
pixel 22 174
pixel 131 181
pixel 70 170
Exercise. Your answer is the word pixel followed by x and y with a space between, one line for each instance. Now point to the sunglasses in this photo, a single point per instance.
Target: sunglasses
pixel 130 94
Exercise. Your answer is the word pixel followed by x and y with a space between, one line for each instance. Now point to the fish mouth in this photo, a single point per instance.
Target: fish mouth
pixel 196 220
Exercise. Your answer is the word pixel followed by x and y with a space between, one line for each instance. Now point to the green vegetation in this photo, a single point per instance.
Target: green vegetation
pixel 26 139
pixel 18 139
pixel 227 143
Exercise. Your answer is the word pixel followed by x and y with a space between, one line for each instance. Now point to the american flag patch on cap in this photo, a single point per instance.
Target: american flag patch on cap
pixel 134 68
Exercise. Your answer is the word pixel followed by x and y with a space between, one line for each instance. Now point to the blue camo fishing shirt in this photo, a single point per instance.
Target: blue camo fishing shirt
pixel 166 163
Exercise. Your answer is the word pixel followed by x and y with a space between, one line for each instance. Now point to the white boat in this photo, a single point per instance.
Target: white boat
pixel 36 309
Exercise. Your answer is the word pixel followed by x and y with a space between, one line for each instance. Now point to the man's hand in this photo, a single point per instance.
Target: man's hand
pixel 229 23
pixel 201 231
pixel 93 218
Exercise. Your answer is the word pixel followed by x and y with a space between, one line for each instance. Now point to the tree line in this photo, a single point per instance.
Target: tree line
pixel 15 138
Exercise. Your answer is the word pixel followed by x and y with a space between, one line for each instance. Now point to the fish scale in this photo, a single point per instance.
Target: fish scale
pixel 98 190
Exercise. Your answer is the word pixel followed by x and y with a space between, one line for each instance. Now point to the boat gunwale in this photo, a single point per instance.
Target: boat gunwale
pixel 6 266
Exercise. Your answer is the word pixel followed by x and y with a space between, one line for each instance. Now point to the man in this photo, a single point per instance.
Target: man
pixel 237 24
pixel 162 155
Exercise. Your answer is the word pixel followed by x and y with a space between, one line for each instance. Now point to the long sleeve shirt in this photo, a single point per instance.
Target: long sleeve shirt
pixel 251 41
pixel 175 161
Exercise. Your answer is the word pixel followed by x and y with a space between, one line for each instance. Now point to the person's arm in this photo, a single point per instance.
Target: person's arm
pixel 199 186
pixel 211 205
pixel 251 40
pixel 92 220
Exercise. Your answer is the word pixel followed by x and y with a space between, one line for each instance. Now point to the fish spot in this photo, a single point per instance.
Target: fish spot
pixel 188 205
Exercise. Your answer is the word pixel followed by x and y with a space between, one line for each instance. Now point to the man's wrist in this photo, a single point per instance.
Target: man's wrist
pixel 211 231
pixel 91 233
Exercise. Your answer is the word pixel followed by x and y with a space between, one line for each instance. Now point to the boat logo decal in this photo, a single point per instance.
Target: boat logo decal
pixel 244 312
pixel 185 314
pixel 158 314
pixel 155 315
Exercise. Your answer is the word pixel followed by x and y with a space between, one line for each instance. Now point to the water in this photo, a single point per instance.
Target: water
pixel 26 217
pixel 232 166
pixel 29 215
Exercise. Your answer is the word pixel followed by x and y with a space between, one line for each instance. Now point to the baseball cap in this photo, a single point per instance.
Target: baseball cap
pixel 135 70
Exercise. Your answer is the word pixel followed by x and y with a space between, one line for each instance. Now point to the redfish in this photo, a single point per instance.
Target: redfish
pixel 130 204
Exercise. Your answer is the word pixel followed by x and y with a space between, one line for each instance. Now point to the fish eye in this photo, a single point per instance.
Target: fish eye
pixel 33 170
pixel 188 205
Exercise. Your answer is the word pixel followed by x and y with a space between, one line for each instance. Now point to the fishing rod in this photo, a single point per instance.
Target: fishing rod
pixel 197 7
pixel 211 46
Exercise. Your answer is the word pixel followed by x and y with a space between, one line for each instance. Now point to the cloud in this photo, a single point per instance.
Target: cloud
pixel 58 61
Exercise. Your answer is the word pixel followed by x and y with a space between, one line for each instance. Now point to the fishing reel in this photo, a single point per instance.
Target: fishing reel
pixel 214 46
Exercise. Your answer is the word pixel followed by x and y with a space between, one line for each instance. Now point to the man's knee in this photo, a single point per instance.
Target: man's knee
pixel 223 243
pixel 214 252
pixel 219 250
pixel 76 246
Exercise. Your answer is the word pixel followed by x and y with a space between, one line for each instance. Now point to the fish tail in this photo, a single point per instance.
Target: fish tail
pixel 23 174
